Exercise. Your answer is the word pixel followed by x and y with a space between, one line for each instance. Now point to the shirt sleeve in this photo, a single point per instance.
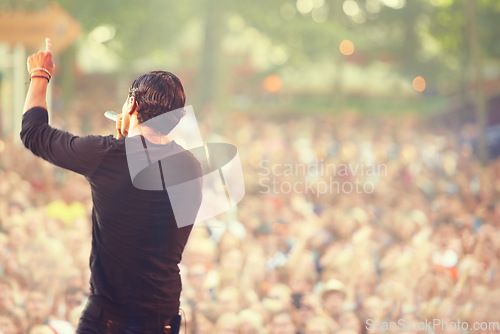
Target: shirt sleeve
pixel 78 154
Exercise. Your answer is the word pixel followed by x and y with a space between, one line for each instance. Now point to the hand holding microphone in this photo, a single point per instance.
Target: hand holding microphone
pixel 111 115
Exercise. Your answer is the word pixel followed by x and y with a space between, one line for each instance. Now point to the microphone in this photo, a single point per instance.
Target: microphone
pixel 111 115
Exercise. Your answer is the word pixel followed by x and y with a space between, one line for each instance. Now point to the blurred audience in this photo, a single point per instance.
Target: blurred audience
pixel 345 219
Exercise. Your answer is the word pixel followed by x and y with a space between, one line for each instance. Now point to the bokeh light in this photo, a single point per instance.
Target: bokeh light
pixel 273 83
pixel 320 14
pixel 441 3
pixel 419 84
pixel 278 55
pixel 304 6
pixel 346 47
pixel 395 4
pixel 102 34
pixel 351 8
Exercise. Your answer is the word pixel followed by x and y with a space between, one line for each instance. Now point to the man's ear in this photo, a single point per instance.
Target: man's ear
pixel 131 105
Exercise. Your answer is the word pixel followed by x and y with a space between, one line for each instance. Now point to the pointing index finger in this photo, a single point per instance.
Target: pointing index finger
pixel 48 45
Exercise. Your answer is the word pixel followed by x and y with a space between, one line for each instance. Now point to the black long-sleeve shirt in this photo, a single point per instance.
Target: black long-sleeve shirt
pixel 136 244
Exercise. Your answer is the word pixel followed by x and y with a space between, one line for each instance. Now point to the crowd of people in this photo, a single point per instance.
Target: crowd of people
pixel 350 224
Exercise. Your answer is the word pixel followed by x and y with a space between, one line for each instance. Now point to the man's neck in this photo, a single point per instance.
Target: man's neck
pixel 148 133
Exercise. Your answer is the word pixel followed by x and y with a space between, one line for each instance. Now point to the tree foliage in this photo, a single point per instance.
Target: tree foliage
pixel 421 37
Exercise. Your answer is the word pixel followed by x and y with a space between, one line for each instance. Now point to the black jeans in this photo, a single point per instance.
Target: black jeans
pixel 98 320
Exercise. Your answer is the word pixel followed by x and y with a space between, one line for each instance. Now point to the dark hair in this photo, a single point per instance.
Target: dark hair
pixel 156 93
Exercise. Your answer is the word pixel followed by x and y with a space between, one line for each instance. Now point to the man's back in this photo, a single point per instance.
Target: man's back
pixel 136 241
pixel 136 244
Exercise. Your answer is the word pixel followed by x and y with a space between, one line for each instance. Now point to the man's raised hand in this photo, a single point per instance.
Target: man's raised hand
pixel 41 63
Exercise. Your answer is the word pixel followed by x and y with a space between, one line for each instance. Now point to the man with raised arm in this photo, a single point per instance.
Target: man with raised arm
pixel 136 242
